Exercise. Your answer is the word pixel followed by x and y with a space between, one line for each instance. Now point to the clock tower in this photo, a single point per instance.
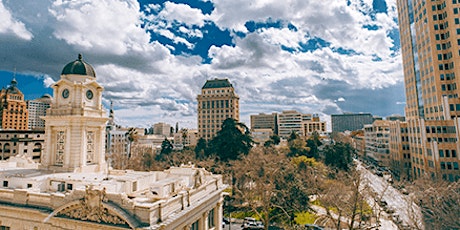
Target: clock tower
pixel 75 123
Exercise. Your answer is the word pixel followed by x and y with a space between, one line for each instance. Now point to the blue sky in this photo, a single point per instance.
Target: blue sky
pixel 153 57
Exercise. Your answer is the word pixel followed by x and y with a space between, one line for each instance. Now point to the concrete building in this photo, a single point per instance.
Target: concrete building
pixel 400 160
pixel 265 121
pixel 377 139
pixel 290 121
pixel 217 102
pixel 73 188
pixel 350 121
pixel 314 125
pixel 186 137
pixel 163 129
pixel 22 142
pixel 116 140
pixel 303 124
pixel 13 108
pixel 429 33
pixel 37 109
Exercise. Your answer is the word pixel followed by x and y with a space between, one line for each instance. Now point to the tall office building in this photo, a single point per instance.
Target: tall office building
pixel 37 109
pixel 217 102
pixel 13 108
pixel 350 121
pixel 430 44
pixel 303 124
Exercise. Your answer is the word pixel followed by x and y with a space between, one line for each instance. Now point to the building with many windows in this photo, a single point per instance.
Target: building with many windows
pixel 430 35
pixel 72 188
pixel 265 121
pixel 400 161
pixel 377 139
pixel 13 108
pixel 37 109
pixel 21 142
pixel 350 121
pixel 302 124
pixel 217 102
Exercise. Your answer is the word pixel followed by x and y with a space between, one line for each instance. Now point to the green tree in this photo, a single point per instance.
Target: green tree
pixel 231 141
pixel 166 147
pixel 274 140
pixel 201 148
pixel 339 155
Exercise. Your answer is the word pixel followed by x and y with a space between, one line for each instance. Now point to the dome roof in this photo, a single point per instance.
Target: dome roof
pixel 79 67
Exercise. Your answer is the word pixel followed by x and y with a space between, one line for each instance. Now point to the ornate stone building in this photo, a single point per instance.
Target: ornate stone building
pixel 74 189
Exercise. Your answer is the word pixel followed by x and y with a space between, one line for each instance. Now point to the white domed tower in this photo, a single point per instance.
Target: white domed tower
pixel 75 123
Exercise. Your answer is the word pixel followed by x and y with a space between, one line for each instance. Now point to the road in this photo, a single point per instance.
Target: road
pixel 408 212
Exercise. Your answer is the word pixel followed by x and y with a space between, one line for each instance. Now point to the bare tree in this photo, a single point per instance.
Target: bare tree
pixel 439 201
pixel 258 177
pixel 345 200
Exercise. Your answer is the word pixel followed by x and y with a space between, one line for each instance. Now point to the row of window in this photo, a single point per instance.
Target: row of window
pixel 440 129
pixel 449 165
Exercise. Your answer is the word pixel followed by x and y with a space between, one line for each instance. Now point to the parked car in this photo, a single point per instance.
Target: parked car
pixel 250 223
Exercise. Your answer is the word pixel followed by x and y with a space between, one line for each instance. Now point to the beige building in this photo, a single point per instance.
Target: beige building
pixel 430 31
pixel 377 139
pixel 13 108
pixel 186 137
pixel 162 129
pixel 303 124
pixel 217 102
pixel 264 121
pixel 22 142
pixel 400 161
pixel 73 188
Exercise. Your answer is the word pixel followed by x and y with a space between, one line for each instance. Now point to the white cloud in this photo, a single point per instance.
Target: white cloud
pixel 149 84
pixel 105 26
pixel 182 13
pixel 9 25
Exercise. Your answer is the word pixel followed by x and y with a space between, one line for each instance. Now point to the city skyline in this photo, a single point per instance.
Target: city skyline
pixel 319 57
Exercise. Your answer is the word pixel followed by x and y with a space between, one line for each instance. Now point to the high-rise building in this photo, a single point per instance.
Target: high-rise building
pixel 37 109
pixel 13 108
pixel 350 121
pixel 217 102
pixel 430 44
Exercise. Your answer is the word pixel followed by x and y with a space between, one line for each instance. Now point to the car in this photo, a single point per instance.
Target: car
pixel 383 203
pixel 379 173
pixel 250 223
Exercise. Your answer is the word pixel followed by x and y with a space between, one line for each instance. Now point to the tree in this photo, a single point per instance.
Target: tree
pixel 439 201
pixel 312 144
pixel 339 155
pixel 166 149
pixel 297 145
pixel 270 185
pixel 231 141
pixel 344 199
pixel 200 148
pixel 274 140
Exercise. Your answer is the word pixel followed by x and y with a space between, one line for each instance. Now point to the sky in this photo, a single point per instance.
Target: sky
pixel 153 56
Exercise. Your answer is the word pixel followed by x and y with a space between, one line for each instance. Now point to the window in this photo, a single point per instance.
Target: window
pixel 194 226
pixel 5 183
pixel 211 218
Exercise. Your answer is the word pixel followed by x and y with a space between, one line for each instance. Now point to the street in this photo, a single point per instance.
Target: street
pixel 404 209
